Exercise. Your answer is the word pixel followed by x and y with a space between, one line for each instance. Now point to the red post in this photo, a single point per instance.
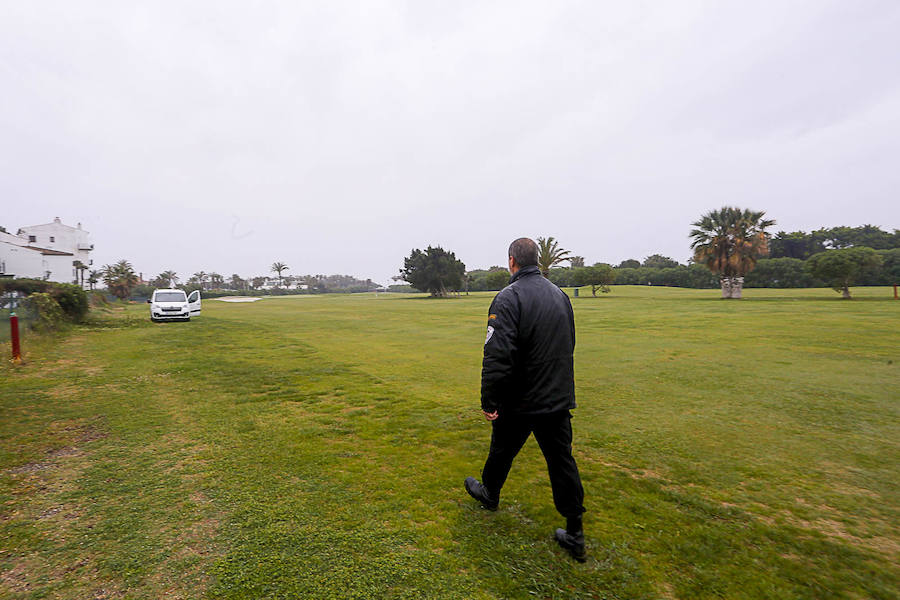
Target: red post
pixel 895 291
pixel 14 335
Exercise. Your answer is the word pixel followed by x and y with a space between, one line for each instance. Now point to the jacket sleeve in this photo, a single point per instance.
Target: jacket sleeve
pixel 499 353
pixel 571 320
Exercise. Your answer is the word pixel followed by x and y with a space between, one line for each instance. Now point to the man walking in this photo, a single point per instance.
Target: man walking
pixel 528 386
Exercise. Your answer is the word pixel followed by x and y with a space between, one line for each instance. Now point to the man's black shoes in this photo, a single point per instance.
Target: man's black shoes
pixel 477 490
pixel 573 542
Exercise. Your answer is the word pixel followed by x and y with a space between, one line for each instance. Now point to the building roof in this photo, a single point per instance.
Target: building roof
pixel 56 222
pixel 49 252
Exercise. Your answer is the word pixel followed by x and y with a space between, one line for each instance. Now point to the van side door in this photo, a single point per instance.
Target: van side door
pixel 194 302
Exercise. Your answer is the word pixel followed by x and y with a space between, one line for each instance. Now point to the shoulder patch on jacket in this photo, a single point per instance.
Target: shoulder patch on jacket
pixel 491 317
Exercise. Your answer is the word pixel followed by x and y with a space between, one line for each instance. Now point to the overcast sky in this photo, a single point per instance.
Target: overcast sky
pixel 337 136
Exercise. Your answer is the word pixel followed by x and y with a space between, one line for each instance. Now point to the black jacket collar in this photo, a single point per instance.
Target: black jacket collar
pixel 525 272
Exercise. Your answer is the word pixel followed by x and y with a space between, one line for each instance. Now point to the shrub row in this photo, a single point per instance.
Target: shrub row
pixel 769 273
pixel 49 302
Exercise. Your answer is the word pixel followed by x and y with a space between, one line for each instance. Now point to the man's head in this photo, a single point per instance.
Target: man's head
pixel 523 252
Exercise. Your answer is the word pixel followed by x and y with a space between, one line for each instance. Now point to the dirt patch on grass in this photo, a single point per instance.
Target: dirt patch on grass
pixel 183 573
pixel 26 569
pixel 633 472
pixel 38 491
pixel 852 490
pixel 15 579
pixel 79 431
pixel 71 433
pixel 665 590
pixel 46 498
pixel 30 467
pixel 38 485
pixel 837 530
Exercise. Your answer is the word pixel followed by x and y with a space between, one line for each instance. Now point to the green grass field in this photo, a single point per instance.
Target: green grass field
pixel 315 447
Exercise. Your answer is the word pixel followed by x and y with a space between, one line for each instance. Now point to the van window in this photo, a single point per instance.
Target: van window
pixel 170 297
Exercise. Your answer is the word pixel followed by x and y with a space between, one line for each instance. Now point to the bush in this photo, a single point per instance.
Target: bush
pixel 44 313
pixel 780 273
pixel 141 292
pixel 70 298
pixel 691 276
pixel 97 299
pixel 888 273
pixel 492 279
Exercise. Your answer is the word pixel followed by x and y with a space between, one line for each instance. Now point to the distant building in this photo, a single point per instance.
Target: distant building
pixel 48 252
pixel 271 283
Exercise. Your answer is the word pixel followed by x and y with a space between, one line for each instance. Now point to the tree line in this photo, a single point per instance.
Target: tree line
pixel 122 281
pixel 731 250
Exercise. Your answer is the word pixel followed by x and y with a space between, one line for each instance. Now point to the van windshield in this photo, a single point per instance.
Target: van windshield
pixel 170 297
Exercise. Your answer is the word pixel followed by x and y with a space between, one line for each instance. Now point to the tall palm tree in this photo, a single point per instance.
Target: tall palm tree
pixel 550 254
pixel 80 268
pixel 278 267
pixel 170 277
pixel 216 281
pixel 120 279
pixel 93 279
pixel 729 241
pixel 201 277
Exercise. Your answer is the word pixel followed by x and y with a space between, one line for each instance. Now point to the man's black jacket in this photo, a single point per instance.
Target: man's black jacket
pixel 527 367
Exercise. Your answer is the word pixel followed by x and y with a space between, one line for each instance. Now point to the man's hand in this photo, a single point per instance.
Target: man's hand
pixel 490 416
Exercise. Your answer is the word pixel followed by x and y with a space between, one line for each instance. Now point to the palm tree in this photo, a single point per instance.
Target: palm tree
pixel 550 254
pixel 729 241
pixel 170 277
pixel 216 281
pixel 93 279
pixel 120 278
pixel 80 268
pixel 201 277
pixel 278 267
pixel 236 282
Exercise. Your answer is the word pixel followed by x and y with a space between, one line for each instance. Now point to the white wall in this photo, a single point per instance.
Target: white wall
pixel 60 267
pixel 62 238
pixel 20 262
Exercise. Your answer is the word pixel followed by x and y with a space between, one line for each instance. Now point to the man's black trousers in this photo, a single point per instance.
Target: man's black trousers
pixel 553 433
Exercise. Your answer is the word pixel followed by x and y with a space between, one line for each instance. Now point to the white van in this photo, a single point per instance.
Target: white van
pixel 174 305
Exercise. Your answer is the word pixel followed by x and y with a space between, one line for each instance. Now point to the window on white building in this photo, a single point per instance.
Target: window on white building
pixel 52 239
pixel 32 238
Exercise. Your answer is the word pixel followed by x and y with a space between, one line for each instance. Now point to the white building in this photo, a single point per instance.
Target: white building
pixel 286 284
pixel 48 251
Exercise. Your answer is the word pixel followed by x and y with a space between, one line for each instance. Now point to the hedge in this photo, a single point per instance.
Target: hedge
pixel 71 298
